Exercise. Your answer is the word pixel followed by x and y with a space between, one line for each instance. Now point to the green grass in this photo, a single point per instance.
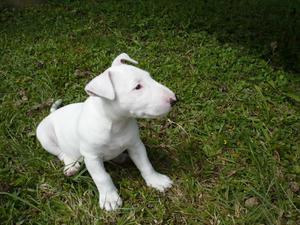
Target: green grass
pixel 235 135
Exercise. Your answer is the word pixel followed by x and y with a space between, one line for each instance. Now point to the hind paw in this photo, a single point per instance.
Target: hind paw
pixel 71 170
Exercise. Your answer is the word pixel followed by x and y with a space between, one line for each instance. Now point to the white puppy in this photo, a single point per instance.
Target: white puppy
pixel 103 126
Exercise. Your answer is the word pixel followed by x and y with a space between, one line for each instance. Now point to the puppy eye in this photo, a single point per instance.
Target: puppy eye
pixel 138 87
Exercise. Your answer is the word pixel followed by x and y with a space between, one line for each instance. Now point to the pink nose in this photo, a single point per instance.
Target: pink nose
pixel 173 101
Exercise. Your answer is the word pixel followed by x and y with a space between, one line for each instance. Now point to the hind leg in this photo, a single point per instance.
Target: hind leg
pixel 47 137
pixel 71 165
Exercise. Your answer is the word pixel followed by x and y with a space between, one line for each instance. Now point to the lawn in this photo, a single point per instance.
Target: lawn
pixel 231 145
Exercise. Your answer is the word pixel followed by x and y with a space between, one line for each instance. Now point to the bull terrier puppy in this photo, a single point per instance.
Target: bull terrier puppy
pixel 104 125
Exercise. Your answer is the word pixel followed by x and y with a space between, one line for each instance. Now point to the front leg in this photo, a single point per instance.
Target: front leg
pixel 138 154
pixel 109 198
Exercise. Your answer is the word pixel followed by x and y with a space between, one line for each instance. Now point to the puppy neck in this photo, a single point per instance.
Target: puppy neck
pixel 108 109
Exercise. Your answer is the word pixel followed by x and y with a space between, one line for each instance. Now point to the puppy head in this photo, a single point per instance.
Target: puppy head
pixel 132 90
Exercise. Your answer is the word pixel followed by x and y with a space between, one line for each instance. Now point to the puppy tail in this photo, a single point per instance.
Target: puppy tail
pixel 55 105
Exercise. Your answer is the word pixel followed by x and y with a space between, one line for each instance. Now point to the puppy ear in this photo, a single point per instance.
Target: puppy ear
pixel 101 86
pixel 122 58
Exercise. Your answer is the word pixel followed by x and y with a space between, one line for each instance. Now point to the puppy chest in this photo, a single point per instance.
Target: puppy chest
pixel 115 147
pixel 121 141
pixel 109 140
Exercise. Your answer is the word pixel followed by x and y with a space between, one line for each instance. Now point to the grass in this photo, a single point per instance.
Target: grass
pixel 234 138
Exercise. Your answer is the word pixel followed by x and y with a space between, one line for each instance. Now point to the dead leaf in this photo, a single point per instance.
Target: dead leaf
pixel 294 186
pixel 40 64
pixel 41 106
pixel 82 73
pixel 5 187
pixel 251 202
pixel 23 95
pixel 223 88
pixel 31 134
pixel 274 45
pixel 276 156
pixel 232 173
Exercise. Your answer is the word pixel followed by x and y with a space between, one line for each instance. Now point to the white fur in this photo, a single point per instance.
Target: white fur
pixel 103 126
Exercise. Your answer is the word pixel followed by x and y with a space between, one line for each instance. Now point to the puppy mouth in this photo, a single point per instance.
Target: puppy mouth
pixel 149 116
pixel 151 111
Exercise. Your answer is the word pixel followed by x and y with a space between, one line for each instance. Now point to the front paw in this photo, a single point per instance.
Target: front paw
pixel 110 200
pixel 158 181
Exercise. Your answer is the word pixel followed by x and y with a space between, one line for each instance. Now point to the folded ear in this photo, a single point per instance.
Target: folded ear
pixel 101 86
pixel 122 58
